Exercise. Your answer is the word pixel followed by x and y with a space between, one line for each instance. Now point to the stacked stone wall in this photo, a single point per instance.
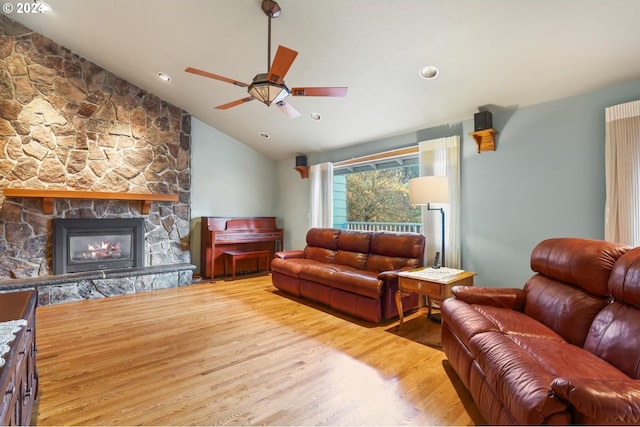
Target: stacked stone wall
pixel 67 124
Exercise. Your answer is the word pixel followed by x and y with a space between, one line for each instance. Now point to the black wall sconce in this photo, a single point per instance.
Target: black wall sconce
pixel 301 166
pixel 483 132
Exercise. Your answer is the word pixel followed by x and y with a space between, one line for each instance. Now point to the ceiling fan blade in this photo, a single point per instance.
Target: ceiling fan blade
pixel 234 103
pixel 281 64
pixel 319 91
pixel 288 109
pixel 214 76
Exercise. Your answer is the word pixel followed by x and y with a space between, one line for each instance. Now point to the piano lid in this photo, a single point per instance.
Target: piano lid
pixel 239 223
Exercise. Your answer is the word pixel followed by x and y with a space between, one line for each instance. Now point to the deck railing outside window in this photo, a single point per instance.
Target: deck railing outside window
pixel 403 227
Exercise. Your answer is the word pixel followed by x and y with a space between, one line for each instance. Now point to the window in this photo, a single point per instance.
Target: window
pixel 371 193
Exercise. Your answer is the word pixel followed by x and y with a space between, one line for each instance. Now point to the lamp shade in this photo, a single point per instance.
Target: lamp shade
pixel 428 189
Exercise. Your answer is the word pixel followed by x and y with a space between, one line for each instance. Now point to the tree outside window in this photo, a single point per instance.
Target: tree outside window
pixel 377 196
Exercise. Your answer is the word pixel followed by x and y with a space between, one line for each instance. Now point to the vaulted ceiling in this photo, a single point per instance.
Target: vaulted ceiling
pixel 493 53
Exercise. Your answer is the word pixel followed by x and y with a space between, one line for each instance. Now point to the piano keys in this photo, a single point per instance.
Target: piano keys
pixel 221 234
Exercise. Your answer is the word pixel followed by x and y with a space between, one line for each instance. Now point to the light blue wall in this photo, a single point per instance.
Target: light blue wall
pixel 546 179
pixel 227 179
pixel 292 204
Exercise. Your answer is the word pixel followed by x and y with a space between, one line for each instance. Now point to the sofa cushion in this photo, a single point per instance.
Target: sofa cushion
pixel 354 241
pixel 624 284
pixel 614 332
pixel 317 272
pixel 318 254
pixel 379 263
pixel 559 358
pixel 517 379
pixel 364 283
pixel 397 245
pixel 323 238
pixel 581 262
pixel 515 323
pixel 567 309
pixel 468 322
pixel 290 267
pixel 614 337
pixel 352 259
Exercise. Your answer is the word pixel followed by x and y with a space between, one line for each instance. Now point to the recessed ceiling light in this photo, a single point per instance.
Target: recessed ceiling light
pixel 164 76
pixel 264 135
pixel 315 116
pixel 428 72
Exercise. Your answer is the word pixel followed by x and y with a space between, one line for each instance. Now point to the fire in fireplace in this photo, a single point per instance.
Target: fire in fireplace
pixel 97 244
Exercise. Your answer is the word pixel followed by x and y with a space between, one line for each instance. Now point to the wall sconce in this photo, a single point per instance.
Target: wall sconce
pixel 483 133
pixel 301 166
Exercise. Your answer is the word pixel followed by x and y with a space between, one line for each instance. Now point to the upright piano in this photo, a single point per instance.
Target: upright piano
pixel 221 234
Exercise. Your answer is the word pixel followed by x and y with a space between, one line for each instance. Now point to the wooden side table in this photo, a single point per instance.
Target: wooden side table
pixel 434 289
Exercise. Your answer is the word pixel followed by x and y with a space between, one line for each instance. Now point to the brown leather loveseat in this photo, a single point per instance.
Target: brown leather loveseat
pixel 354 272
pixel 563 350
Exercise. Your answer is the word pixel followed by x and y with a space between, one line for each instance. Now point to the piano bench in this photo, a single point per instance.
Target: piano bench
pixel 237 255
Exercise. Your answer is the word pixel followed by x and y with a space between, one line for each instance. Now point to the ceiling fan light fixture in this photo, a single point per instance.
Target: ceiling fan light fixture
pixel 266 91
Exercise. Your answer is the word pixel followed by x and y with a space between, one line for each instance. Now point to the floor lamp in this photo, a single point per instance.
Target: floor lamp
pixel 425 190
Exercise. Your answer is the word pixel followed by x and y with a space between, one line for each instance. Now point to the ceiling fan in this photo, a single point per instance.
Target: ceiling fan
pixel 269 87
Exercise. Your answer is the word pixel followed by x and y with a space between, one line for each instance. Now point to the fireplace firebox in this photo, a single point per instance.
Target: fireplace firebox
pixel 97 244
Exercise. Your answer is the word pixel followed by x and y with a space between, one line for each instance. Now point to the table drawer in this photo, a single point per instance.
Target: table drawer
pixel 434 290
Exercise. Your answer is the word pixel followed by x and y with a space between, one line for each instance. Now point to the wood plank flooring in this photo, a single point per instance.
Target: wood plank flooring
pixel 238 353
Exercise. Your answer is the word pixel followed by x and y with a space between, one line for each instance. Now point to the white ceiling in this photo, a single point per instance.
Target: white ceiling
pixel 498 53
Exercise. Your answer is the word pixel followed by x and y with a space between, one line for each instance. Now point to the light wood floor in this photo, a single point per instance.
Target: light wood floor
pixel 238 353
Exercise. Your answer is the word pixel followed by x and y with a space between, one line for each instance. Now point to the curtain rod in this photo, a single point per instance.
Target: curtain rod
pixel 387 155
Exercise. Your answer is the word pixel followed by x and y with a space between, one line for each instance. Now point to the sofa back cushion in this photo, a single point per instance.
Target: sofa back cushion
pixel 393 251
pixel 322 244
pixel 353 248
pixel 581 262
pixel 323 238
pixel 615 332
pixel 571 286
pixel 567 309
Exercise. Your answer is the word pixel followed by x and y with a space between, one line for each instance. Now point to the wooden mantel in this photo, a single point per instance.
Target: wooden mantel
pixel 48 197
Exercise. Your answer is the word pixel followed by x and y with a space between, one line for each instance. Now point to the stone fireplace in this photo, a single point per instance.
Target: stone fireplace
pixel 67 124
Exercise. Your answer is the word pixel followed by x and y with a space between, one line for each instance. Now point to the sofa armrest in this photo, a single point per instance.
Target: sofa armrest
pixel 389 275
pixel 289 254
pixel 511 298
pixel 605 401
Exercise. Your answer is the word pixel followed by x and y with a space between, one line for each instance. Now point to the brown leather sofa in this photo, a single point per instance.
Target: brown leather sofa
pixel 354 272
pixel 563 350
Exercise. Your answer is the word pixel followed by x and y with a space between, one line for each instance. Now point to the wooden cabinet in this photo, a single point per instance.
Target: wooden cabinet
pixel 18 376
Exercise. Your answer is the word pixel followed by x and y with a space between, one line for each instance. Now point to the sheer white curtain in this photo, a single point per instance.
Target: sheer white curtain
pixel 441 157
pixel 321 177
pixel 622 170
